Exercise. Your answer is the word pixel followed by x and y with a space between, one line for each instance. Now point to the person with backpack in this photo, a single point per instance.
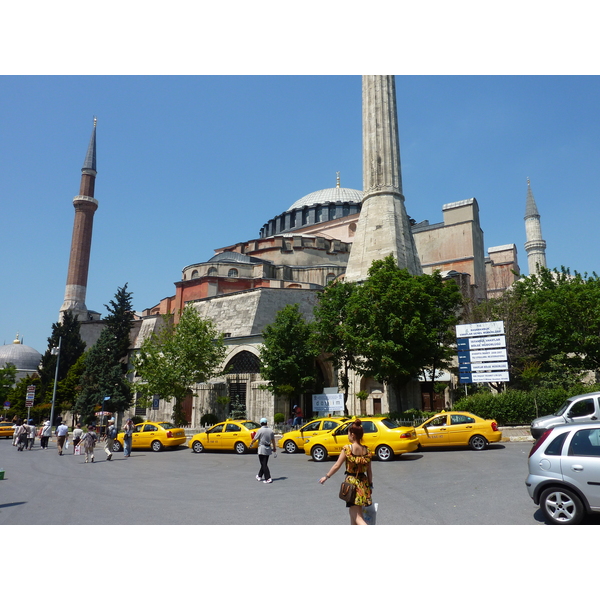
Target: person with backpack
pixel 88 441
pixel 21 434
pixel 111 435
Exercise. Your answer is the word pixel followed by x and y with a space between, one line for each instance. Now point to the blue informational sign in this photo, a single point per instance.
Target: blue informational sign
pixel 155 402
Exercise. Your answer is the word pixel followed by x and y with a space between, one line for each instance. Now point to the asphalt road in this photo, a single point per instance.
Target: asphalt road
pixel 177 487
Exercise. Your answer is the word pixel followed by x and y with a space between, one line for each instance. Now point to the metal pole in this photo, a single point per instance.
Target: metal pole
pixel 55 380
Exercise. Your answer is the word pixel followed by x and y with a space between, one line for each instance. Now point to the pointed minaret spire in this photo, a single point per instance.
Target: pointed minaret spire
pixel 383 227
pixel 85 206
pixel 535 246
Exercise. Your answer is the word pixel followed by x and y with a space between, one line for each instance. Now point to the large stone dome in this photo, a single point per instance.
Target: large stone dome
pixel 336 194
pixel 25 358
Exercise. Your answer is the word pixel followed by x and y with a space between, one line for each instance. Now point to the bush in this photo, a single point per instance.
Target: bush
pixel 278 418
pixel 208 419
pixel 518 407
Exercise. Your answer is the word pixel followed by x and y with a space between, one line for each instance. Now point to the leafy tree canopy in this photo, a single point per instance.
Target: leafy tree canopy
pixel 567 320
pixel 402 323
pixel 288 355
pixel 171 361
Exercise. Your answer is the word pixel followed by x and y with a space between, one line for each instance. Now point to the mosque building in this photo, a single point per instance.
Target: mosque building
pixel 25 358
pixel 328 234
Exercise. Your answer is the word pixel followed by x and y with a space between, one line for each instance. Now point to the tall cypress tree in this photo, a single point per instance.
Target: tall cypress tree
pixel 105 363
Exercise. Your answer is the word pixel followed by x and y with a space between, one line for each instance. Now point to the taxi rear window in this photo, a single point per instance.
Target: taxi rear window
pixel 168 426
pixel 251 425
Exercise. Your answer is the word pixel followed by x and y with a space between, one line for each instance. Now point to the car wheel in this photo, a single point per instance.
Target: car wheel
pixel 240 448
pixel 318 453
pixel 478 442
pixel 290 447
pixel 197 447
pixel 156 446
pixel 116 446
pixel 384 453
pixel 561 506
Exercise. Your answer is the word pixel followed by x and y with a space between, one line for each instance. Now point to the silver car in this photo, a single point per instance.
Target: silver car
pixel 564 472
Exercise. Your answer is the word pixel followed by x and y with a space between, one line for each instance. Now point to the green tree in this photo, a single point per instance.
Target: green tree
pixel 287 355
pixel 105 366
pixel 401 323
pixel 8 375
pixel 567 319
pixel 171 361
pixel 333 331
pixel 519 327
pixel 71 348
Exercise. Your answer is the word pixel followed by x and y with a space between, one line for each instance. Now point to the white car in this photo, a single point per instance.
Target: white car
pixel 564 472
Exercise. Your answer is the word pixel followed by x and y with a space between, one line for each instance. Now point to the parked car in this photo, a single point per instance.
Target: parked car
pixel 228 435
pixel 384 437
pixel 295 439
pixel 456 428
pixel 154 435
pixel 7 429
pixel 578 409
pixel 564 472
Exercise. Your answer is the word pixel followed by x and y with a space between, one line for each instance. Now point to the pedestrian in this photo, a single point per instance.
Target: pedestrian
pixel 88 441
pixel 77 433
pixel 16 423
pixel 266 445
pixel 297 412
pixel 358 472
pixel 62 435
pixel 30 434
pixel 128 437
pixel 21 433
pixel 45 433
pixel 111 435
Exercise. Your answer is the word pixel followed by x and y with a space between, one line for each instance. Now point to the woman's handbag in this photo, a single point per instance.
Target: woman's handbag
pixel 77 450
pixel 348 491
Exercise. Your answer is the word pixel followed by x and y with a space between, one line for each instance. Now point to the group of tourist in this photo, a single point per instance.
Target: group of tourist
pixel 83 443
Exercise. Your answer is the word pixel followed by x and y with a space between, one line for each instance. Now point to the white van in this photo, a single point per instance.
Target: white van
pixel 578 409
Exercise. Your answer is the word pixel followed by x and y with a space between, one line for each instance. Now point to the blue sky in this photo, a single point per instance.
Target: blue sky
pixel 187 164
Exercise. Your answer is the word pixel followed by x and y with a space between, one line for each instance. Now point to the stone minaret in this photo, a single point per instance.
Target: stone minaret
pixel 85 206
pixel 383 227
pixel 535 246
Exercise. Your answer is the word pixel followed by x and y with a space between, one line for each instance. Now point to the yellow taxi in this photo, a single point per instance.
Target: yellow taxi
pixel 454 428
pixel 383 436
pixel 7 429
pixel 154 435
pixel 233 434
pixel 293 440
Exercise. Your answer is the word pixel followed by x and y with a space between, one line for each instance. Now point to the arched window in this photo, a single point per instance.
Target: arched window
pixel 243 362
pixel 232 273
pixel 212 271
pixel 194 274
pixel 330 277
pixel 351 229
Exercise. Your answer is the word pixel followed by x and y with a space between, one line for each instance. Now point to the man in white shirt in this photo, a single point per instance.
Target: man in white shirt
pixel 62 433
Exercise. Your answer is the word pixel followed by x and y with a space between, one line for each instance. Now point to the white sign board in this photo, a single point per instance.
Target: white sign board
pixel 493 341
pixel 328 402
pixel 483 355
pixel 490 366
pixel 486 377
pixel 471 329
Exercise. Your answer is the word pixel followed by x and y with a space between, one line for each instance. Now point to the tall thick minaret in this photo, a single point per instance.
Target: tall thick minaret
pixel 85 206
pixel 535 246
pixel 383 227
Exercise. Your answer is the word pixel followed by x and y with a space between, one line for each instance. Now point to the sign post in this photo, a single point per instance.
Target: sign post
pixel 482 356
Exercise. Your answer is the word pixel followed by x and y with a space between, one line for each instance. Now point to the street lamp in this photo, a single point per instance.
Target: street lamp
pixel 56 352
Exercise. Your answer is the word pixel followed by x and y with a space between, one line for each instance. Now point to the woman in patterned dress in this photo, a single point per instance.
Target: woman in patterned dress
pixel 358 471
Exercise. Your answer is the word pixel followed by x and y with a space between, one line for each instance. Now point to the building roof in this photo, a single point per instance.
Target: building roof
pixel 336 194
pixel 25 358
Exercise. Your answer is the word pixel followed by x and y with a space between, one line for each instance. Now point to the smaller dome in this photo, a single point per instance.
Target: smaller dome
pixel 25 358
pixel 336 194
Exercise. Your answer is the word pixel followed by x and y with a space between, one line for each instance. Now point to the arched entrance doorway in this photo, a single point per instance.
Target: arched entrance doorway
pixel 240 369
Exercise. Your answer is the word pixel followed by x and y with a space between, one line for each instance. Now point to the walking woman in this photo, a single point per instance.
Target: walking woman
pixel 358 471
pixel 45 433
pixel 21 434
